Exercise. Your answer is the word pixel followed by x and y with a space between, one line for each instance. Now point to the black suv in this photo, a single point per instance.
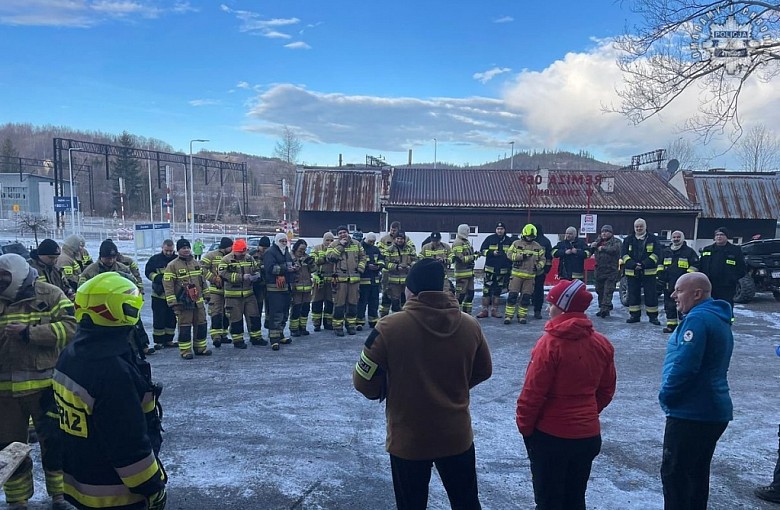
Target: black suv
pixel 762 258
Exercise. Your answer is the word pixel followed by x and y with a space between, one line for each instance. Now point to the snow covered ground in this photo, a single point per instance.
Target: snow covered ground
pixel 258 429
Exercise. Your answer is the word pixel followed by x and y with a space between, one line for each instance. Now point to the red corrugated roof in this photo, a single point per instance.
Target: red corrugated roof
pixel 735 195
pixel 356 190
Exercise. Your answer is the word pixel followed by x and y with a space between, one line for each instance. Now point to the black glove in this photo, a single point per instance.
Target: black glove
pixel 157 500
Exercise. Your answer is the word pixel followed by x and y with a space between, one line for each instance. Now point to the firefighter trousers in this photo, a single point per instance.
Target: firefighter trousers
pixel 163 322
pixel 639 286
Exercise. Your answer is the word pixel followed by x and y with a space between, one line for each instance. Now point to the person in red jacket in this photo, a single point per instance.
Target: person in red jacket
pixel 569 381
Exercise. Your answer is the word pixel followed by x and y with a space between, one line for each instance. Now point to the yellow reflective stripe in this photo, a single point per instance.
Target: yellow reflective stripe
pixel 60 334
pixel 148 403
pixel 140 472
pixel 365 367
pixel 464 274
pixel 731 262
pixel 100 496
pixel 72 393
pixel 682 263
pixel 22 386
pixel 522 274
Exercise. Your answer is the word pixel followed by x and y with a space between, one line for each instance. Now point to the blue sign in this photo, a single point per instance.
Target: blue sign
pixel 62 204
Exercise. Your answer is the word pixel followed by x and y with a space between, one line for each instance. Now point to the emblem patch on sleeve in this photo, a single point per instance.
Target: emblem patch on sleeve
pixel 365 367
pixel 688 336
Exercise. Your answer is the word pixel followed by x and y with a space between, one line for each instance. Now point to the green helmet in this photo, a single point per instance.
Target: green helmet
pixel 109 299
pixel 529 231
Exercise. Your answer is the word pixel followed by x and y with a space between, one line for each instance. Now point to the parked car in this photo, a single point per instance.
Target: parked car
pixel 15 247
pixel 762 258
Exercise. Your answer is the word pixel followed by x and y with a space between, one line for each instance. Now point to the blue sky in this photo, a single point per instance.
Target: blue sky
pixel 348 77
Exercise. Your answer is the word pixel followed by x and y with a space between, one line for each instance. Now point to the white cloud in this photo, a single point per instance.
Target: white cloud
pixel 298 45
pixel 273 34
pixel 243 85
pixel 83 13
pixel 204 102
pixel 504 19
pixel 488 75
pixel 253 23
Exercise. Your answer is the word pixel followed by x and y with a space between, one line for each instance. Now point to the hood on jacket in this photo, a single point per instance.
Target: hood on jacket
pixel 437 313
pixel 717 307
pixel 22 275
pixel 570 326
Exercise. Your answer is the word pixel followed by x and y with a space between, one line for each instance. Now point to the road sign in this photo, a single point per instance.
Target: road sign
pixel 588 223
pixel 62 204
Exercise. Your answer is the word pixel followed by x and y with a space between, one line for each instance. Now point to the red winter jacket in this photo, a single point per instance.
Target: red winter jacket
pixel 569 380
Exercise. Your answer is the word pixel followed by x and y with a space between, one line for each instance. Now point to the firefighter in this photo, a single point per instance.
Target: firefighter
pixel 497 270
pixel 349 262
pixel 107 404
pixel 386 243
pixel 538 297
pixel 278 266
pixel 163 317
pixel 85 259
pixel 44 260
pixel 676 260
pixel 36 322
pixel 606 250
pixel 571 253
pixel 239 271
pixel 258 287
pixel 641 254
pixel 439 251
pixel 216 295
pixel 462 257
pixel 134 269
pixel 398 261
pixel 304 266
pixel 185 285
pixel 370 284
pixel 527 257
pixel 68 261
pixel 322 294
pixel 724 265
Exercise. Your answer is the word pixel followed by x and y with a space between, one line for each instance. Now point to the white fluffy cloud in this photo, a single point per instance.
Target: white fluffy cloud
pixel 83 13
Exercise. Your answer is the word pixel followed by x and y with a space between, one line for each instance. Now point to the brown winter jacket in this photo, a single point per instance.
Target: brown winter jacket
pixel 424 360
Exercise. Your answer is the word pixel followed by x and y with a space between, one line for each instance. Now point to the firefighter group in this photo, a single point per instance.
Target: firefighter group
pixel 100 381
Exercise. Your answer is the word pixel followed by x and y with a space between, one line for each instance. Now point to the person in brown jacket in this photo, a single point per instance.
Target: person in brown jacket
pixel 424 360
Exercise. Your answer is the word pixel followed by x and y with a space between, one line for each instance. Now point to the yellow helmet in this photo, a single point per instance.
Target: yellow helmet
pixel 109 299
pixel 529 231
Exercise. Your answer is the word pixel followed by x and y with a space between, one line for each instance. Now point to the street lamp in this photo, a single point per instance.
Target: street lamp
pixel 72 204
pixel 435 143
pixel 192 189
pixel 512 158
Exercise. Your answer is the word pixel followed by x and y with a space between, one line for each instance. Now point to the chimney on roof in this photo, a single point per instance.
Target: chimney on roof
pixel 341 159
pixel 410 157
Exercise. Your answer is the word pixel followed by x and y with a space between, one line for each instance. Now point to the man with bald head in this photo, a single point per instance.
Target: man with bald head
pixel 641 255
pixel 694 392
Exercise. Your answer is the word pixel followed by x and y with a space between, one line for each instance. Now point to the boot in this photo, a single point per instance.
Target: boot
pixel 240 344
pixel 295 332
pixel 670 328
pixel 767 493
pixel 204 352
pixel 304 331
pixel 217 342
pixel 339 331
pixel 633 319
pixel 485 305
pixel 537 314
pixel 654 320
pixel 350 329
pixel 495 312
pixel 285 340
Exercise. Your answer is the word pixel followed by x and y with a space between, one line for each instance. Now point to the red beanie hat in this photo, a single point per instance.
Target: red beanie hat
pixel 570 296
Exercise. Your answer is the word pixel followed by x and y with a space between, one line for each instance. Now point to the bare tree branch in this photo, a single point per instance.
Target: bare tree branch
pixel 757 150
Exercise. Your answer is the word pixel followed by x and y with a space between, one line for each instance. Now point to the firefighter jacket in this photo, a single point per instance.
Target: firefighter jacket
pixel 97 268
pixel 107 407
pixel 306 267
pixel 462 257
pixel 571 265
pixel 26 362
pixel 527 258
pixel 723 265
pixel 277 266
pixel 375 262
pixel 122 259
pixel 154 270
pixel 84 258
pixel 232 270
pixel 548 247
pixel 440 253
pixel 675 263
pixel 646 252
pixel 179 275
pixel 348 261
pixel 608 259
pixel 210 264
pixel 398 261
pixel 496 263
pixel 324 269
pixel 49 274
pixel 70 268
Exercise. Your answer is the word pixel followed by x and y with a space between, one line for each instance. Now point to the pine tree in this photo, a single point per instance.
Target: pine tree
pixel 7 155
pixel 127 167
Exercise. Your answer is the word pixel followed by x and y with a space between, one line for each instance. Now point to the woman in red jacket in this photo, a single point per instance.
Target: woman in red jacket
pixel 569 380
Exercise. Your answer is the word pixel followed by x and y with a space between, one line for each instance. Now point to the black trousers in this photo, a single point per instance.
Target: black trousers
pixel 560 469
pixel 458 475
pixel 163 321
pixel 685 467
pixel 538 295
pixel 369 299
pixel 724 293
pixel 639 286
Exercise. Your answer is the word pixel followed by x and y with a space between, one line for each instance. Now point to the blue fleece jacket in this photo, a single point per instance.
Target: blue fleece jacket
pixel 694 383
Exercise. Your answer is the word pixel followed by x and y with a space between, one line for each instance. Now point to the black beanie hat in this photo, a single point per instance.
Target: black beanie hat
pixel 436 235
pixel 108 249
pixel 264 241
pixel 225 242
pixel 341 227
pixel 427 274
pixel 182 243
pixel 721 230
pixel 48 247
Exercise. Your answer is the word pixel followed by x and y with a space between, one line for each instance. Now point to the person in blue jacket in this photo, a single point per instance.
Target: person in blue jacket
pixel 694 392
